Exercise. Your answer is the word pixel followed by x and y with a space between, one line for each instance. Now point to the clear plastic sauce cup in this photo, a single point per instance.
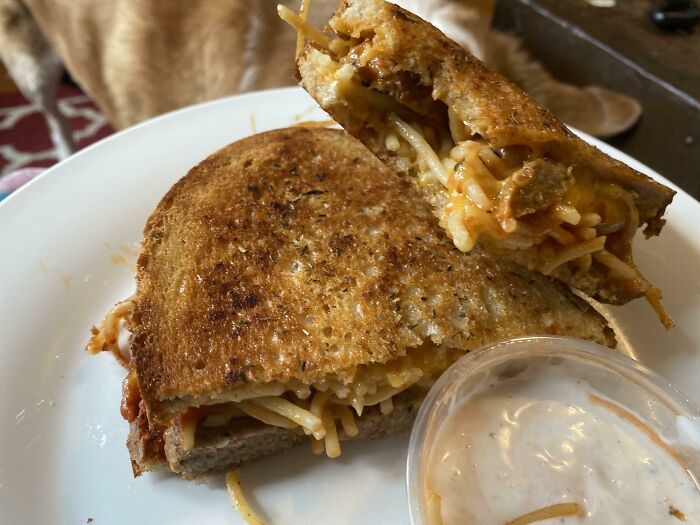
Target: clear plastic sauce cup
pixel 550 430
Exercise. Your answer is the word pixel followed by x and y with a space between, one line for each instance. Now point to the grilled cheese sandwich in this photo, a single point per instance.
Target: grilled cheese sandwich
pixel 499 170
pixel 291 287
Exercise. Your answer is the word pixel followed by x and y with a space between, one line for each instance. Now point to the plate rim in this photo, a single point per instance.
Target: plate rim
pixel 59 191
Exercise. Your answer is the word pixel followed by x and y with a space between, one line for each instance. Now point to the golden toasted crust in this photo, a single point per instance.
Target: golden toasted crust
pixel 296 254
pixel 406 53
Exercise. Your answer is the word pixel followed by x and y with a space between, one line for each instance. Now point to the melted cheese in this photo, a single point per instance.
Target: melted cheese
pixel 474 176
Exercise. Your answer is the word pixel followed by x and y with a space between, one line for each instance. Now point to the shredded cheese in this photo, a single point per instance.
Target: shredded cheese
pixel 105 337
pixel 319 401
pixel 567 213
pixel 617 266
pixel 317 446
pixel 347 420
pixel 386 406
pixel 457 127
pixel 477 195
pixel 590 219
pixel 653 296
pixel 586 233
pixel 221 415
pixel 298 415
pixel 489 158
pixel 381 394
pixel 423 149
pixel 303 15
pixel 570 254
pixel 461 236
pixel 392 142
pixel 585 263
pixel 188 428
pixel 253 409
pixel 303 28
pixel 562 236
pixel 331 442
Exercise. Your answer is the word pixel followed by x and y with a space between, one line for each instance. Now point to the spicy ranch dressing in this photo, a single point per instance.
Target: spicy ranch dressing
pixel 545 447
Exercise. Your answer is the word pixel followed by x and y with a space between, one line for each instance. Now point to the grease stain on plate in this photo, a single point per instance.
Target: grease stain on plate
pixel 117 259
pixel 66 279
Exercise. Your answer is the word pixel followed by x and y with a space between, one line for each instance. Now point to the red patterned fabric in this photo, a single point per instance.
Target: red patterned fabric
pixel 24 134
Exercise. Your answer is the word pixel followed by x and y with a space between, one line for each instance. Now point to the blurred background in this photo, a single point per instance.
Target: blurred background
pixel 648 50
pixel 627 71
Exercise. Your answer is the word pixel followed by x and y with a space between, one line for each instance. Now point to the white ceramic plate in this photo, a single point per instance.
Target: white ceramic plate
pixel 69 241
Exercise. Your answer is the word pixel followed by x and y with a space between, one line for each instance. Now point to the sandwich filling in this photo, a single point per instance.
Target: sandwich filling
pixel 313 408
pixel 320 306
pixel 316 408
pixel 550 214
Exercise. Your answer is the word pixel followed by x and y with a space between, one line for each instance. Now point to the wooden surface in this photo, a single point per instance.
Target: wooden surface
pixel 618 48
pixel 626 29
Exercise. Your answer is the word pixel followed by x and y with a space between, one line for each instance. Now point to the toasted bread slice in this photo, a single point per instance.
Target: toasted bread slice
pixel 292 275
pixel 294 259
pixel 499 170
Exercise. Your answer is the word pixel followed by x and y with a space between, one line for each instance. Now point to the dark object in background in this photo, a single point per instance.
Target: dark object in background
pixel 619 48
pixel 674 15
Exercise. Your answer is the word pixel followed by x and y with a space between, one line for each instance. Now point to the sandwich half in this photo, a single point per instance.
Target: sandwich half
pixel 499 170
pixel 293 288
